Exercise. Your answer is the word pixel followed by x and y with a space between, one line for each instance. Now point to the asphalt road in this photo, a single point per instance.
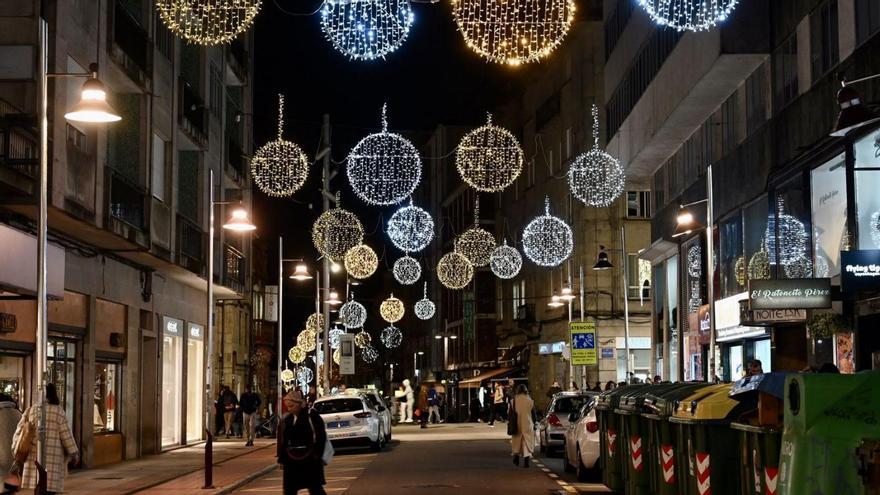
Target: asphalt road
pixel 449 458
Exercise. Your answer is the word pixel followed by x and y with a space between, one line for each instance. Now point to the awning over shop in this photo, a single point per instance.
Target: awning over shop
pixel 484 376
pixel 658 251
pixel 20 276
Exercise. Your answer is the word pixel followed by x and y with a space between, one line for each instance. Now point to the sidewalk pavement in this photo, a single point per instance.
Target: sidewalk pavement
pixel 179 471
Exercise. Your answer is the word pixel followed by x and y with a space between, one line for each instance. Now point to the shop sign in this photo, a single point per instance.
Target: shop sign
pixel 271 303
pixel 7 323
pixel 761 317
pixel 860 270
pixel 583 343
pixel 607 353
pixel 172 326
pixel 795 293
pixel 346 354
pixel 551 348
pixel 196 331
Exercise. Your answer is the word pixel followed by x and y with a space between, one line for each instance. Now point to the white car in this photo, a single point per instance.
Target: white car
pixel 551 428
pixel 351 421
pixel 378 403
pixel 581 448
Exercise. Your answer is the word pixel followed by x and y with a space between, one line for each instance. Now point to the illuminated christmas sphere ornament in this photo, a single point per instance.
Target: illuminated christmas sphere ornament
pixel 513 32
pixel 759 264
pixel 688 15
pixel 392 309
pixel 337 356
pixel 505 261
pixel 287 375
pixel 362 339
pixel 424 308
pixel 407 270
pixel 391 337
pixel 695 261
pixel 820 267
pixel 296 355
pixel 353 314
pixel 333 337
pixel 595 177
pixel 335 232
pixel 279 168
pixel 476 244
pixel 384 168
pixel 208 22
pixel 547 240
pixel 304 375
pixel 361 261
pixel 411 229
pixel 366 29
pixel 740 270
pixel 454 271
pixel 307 340
pixel 801 267
pixel 369 354
pixel 489 158
pixel 315 323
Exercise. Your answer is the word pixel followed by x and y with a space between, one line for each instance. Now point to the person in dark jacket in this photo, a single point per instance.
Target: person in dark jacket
pixel 229 402
pixel 249 403
pixel 301 441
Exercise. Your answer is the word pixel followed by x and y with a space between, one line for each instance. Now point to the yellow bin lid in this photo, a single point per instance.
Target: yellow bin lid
pixel 710 403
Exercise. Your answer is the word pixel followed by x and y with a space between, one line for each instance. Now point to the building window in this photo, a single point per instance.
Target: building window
pixel 62 372
pixel 638 204
pixel 638 277
pixel 785 72
pixel 172 380
pixel 164 38
pixel 867 19
pixel 77 138
pixel 616 23
pixel 756 99
pixel 195 382
pixel 729 121
pixel 824 47
pixel 867 183
pixel 216 92
pixel 733 264
pixel 106 393
pixel 660 188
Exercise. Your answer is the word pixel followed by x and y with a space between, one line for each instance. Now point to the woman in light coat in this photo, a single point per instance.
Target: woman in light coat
pixel 60 446
pixel 9 418
pixel 522 443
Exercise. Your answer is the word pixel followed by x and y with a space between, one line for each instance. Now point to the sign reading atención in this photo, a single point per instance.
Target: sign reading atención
pixel 583 343
pixel 795 293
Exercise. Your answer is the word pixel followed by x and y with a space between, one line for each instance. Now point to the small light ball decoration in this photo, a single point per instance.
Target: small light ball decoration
pixel 821 269
pixel 208 22
pixel 369 354
pixel 547 240
pixel 476 243
pixel 280 167
pixel 315 323
pixel 335 232
pixel 296 355
pixel 489 158
pixel 391 337
pixel 595 177
pixel 362 339
pixel 407 270
pixel 353 314
pixel 424 308
pixel 333 337
pixel 513 32
pixel 801 267
pixel 304 375
pixel 688 15
pixel 307 340
pixel 366 29
pixel 695 261
pixel 411 229
pixel 287 375
pixel 337 356
pixel 454 271
pixel 505 261
pixel 384 168
pixel 361 261
pixel 392 309
pixel 759 263
pixel 740 271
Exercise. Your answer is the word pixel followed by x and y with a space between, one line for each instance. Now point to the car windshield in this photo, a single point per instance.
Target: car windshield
pixel 568 404
pixel 371 400
pixel 335 406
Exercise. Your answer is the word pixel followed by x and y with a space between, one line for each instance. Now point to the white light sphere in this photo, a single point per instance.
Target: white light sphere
pixel 384 168
pixel 476 244
pixel 361 261
pixel 411 229
pixel 595 177
pixel 362 339
pixel 366 29
pixel 424 308
pixel 369 354
pixel 547 240
pixel 315 323
pixel 454 271
pixel 505 261
pixel 335 232
pixel 353 314
pixel 392 309
pixel 489 158
pixel 307 340
pixel 695 261
pixel 391 337
pixel 208 22
pixel 333 337
pixel 280 167
pixel 689 15
pixel 304 374
pixel 407 270
pixel 296 355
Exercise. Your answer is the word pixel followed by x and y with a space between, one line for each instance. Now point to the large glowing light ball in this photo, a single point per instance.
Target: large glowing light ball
pixel 369 354
pixel 424 308
pixel 307 340
pixel 361 261
pixel 454 271
pixel 489 158
pixel 392 309
pixel 595 177
pixel 296 355
pixel 407 270
pixel 505 261
pixel 280 167
pixel 335 232
pixel 208 22
pixel 362 339
pixel 391 337
pixel 366 29
pixel 547 240
pixel 476 244
pixel 353 314
pixel 689 15
pixel 411 229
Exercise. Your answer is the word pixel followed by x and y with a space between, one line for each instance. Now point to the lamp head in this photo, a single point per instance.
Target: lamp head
pixel 602 262
pixel 238 221
pixel 438 337
pixel 685 223
pixel 333 298
pixel 335 267
pixel 301 273
pixel 853 114
pixel 555 301
pixel 567 294
pixel 93 106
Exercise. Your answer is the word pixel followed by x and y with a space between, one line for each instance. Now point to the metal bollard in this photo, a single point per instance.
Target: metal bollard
pixel 209 462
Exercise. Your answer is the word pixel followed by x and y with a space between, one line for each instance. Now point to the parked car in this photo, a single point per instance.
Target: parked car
pixel 378 403
pixel 351 421
pixel 580 452
pixel 551 428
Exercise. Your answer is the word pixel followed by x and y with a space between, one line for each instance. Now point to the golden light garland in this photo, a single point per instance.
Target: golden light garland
pixel 454 271
pixel 280 167
pixel 296 355
pixel 337 356
pixel 513 32
pixel 315 322
pixel 335 232
pixel 307 340
pixel 208 22
pixel 489 158
pixel 392 309
pixel 361 261
pixel 362 339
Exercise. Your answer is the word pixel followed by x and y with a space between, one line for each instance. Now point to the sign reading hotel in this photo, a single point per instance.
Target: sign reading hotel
pixel 795 293
pixel 860 270
pixel 583 343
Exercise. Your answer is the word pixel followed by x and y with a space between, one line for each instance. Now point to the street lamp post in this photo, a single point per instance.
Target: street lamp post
pixel 603 263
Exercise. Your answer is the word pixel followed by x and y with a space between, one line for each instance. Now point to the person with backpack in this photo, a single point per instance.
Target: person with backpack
pixel 302 439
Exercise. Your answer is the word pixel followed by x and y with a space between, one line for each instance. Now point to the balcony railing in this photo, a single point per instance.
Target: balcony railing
pixel 190 245
pixel 131 47
pixel 237 58
pixel 193 114
pixel 19 160
pixel 127 209
pixel 234 269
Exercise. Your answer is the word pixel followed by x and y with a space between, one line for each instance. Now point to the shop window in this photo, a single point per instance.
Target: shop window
pixel 172 380
pixel 785 72
pixel 757 257
pixel 828 191
pixel 61 356
pixel 824 49
pixel 638 278
pixel 791 242
pixel 12 378
pixel 733 262
pixel 106 397
pixel 867 183
pixel 672 311
pixel 195 382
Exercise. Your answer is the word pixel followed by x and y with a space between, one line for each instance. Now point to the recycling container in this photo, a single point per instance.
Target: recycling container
pixel 634 438
pixel 610 427
pixel 829 419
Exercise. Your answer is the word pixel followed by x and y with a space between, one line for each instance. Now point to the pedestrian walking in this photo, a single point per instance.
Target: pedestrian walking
pixel 574 387
pixel 553 390
pixel 229 402
pixel 434 405
pixel 521 426
pixel 406 400
pixel 60 448
pixel 610 385
pixel 499 404
pixel 302 438
pixel 250 404
pixel 9 418
pixel 422 411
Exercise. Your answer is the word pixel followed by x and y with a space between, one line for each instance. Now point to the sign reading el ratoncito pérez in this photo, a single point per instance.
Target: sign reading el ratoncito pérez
pixel 795 293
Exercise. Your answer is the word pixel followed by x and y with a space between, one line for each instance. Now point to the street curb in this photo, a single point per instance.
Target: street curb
pixel 247 479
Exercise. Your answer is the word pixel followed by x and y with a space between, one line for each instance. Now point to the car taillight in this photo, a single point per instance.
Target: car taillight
pixel 365 414
pixel 591 426
pixel 554 420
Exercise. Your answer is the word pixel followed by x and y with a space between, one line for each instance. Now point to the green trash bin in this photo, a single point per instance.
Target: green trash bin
pixel 827 418
pixel 663 459
pixel 611 453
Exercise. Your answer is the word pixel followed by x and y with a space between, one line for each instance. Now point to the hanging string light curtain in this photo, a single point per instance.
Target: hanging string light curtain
pixel 689 15
pixel 208 22
pixel 366 29
pixel 280 167
pixel 595 177
pixel 489 158
pixel 547 240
